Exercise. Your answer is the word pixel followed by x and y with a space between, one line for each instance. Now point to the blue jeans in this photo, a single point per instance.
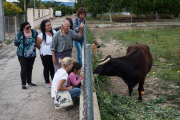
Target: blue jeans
pixel 79 46
pixel 74 92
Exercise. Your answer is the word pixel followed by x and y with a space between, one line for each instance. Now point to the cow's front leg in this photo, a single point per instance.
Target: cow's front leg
pixel 130 90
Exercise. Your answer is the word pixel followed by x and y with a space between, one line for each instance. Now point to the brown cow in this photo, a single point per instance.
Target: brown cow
pixel 132 68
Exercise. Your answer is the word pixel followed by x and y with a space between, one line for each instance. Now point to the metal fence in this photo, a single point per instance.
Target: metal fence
pixel 130 17
pixel 12 25
pixel 87 88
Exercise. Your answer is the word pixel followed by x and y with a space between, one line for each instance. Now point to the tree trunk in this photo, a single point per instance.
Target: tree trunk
pixel 24 5
pixel 110 16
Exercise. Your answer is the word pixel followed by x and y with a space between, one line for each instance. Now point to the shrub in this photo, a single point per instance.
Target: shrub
pixel 10 7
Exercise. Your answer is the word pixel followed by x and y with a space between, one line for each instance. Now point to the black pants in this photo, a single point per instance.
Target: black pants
pixel 26 69
pixel 48 67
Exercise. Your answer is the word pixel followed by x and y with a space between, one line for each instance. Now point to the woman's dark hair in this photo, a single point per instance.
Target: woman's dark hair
pixel 81 10
pixel 71 23
pixel 23 25
pixel 42 28
pixel 76 66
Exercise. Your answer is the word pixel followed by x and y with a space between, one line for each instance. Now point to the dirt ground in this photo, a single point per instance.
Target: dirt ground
pixel 117 49
pixel 35 103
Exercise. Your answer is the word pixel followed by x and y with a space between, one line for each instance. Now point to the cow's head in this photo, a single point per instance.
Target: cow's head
pixel 105 67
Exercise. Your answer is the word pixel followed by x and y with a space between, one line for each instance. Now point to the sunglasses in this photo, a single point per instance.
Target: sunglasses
pixel 82 9
pixel 28 27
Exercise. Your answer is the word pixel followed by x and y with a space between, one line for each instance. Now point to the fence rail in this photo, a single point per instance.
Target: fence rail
pixel 87 88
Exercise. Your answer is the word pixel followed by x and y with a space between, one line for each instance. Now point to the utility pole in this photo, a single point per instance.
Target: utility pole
pixel 34 5
pixel 24 5
pixel 2 22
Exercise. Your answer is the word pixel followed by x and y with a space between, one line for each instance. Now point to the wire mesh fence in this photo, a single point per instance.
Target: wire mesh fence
pixel 130 17
pixel 12 25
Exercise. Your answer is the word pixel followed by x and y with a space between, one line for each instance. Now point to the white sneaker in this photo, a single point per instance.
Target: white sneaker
pixel 63 109
pixel 48 85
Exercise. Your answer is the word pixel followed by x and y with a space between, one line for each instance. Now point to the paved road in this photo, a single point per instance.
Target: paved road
pixel 35 103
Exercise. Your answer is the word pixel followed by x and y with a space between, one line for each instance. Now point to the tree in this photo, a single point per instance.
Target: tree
pixel 10 7
pixel 51 4
pixel 64 9
pixel 42 6
pixel 37 3
pixel 20 4
pixel 97 6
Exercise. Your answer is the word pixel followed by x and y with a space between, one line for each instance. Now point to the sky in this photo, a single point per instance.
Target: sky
pixel 46 0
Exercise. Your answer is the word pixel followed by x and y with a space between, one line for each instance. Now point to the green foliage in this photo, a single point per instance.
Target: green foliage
pixel 29 3
pixel 42 6
pixel 8 42
pixel 14 13
pixel 51 4
pixel 136 6
pixel 37 4
pixel 10 7
pixel 64 9
pixel 20 4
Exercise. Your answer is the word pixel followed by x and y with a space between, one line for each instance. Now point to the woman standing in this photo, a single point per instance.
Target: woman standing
pixel 44 41
pixel 25 41
pixel 81 14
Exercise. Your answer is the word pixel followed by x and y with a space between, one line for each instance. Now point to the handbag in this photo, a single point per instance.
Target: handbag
pixel 62 99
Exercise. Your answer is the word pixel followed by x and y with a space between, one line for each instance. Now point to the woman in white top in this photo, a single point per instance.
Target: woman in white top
pixel 60 79
pixel 44 41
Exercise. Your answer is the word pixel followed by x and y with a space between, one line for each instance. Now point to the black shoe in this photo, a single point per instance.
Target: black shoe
pixel 31 84
pixel 24 87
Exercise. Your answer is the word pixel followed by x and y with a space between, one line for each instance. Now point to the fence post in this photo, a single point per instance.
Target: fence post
pixel 2 22
pixel 85 77
pixel 131 16
pixel 15 25
pixel 17 22
pixel 8 27
pixel 156 17
pixel 90 110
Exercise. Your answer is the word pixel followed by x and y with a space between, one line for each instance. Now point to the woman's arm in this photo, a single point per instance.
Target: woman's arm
pixel 17 41
pixel 60 88
pixel 75 25
pixel 73 79
pixel 38 42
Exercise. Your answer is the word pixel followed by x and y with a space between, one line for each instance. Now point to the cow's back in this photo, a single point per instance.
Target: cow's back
pixel 145 51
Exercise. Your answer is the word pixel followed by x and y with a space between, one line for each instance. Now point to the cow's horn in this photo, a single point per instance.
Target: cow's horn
pixel 105 61
pixel 100 60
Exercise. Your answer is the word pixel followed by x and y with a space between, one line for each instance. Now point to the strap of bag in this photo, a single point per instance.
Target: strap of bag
pixel 77 20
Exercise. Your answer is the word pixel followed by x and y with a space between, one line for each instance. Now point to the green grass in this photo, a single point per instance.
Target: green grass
pixel 9 42
pixel 164 45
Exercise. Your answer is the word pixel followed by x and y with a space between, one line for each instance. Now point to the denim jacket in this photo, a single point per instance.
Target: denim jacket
pixel 77 24
pixel 26 47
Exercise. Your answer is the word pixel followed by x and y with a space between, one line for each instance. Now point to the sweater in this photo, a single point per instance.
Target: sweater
pixel 73 80
pixel 26 46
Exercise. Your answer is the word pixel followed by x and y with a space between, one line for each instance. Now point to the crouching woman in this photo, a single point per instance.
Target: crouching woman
pixel 60 79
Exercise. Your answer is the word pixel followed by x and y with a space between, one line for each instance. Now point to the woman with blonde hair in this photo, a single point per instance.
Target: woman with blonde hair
pixel 60 79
